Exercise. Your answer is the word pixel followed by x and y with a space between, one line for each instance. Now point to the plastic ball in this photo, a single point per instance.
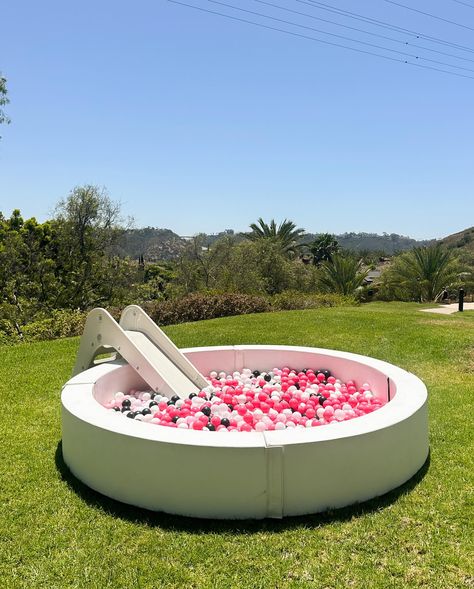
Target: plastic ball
pixel 244 401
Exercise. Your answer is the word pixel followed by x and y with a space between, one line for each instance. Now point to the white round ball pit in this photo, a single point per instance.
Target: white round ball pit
pixel 239 475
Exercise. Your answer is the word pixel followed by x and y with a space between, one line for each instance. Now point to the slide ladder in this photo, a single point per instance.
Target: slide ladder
pixel 139 341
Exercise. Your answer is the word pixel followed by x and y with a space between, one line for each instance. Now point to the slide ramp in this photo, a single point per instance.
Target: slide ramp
pixel 139 341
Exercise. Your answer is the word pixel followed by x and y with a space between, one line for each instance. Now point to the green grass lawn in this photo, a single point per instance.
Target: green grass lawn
pixel 55 533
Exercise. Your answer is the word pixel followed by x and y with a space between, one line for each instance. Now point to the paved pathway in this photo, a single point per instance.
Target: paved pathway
pixel 449 309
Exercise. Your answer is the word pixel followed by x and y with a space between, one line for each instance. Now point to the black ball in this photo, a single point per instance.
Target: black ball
pixel 170 402
pixel 297 385
pixel 256 372
pixel 126 403
pixel 210 427
pixel 152 404
pixel 153 395
pixel 146 411
pixel 225 422
pixel 191 395
pixel 116 408
pixel 322 398
pixel 174 398
pixel 175 419
pixel 267 377
pixel 124 409
pixel 131 414
pixel 327 373
pixel 304 371
pixel 206 410
pixel 231 407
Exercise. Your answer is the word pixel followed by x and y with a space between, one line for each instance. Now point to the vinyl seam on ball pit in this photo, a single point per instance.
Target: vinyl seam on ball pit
pixel 275 483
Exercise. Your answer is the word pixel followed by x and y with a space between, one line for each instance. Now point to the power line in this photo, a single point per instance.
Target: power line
pixel 300 35
pixel 451 22
pixel 343 37
pixel 382 24
pixel 464 3
pixel 337 24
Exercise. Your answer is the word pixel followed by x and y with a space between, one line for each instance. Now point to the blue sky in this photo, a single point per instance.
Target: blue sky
pixel 199 123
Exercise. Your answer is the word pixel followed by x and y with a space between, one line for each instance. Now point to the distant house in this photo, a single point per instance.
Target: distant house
pixel 372 276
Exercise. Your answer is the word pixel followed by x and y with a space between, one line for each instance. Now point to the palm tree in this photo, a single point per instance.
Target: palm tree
pixel 424 272
pixel 286 235
pixel 323 248
pixel 342 274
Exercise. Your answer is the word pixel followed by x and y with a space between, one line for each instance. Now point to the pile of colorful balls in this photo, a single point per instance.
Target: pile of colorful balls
pixel 248 400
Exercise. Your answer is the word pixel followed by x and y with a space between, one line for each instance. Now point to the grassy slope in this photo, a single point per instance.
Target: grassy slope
pixel 463 240
pixel 56 533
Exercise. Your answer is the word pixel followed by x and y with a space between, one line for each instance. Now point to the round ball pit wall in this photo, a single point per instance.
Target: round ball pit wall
pixel 247 475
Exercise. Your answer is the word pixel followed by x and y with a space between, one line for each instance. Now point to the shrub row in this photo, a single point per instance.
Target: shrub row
pixel 193 307
pixel 200 306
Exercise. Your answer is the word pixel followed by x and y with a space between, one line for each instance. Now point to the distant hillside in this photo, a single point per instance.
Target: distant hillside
pixel 372 242
pixel 156 244
pixel 152 243
pixel 464 240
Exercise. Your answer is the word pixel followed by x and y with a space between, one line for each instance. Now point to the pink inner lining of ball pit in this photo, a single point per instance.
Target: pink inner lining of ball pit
pixel 233 358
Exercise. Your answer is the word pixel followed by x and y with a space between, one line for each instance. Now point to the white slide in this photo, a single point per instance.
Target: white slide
pixel 144 346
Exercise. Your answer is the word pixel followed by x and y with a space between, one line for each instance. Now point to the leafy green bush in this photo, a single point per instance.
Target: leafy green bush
pixel 61 323
pixel 6 339
pixel 199 306
pixel 292 300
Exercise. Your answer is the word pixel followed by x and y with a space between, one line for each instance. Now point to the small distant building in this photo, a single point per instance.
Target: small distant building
pixel 372 276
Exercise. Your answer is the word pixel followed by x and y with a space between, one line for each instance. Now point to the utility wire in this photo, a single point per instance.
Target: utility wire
pixel 382 24
pixel 337 24
pixel 464 3
pixel 451 22
pixel 293 34
pixel 343 37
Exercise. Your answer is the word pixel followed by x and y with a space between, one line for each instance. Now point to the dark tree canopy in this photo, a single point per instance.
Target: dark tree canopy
pixel 323 248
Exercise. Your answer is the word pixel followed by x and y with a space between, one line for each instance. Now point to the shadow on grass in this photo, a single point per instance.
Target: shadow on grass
pixel 203 526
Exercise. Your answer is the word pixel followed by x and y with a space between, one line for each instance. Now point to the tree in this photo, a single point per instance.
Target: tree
pixel 200 264
pixel 3 100
pixel 89 224
pixel 28 281
pixel 422 273
pixel 342 274
pixel 287 236
pixel 323 248
pixel 257 267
